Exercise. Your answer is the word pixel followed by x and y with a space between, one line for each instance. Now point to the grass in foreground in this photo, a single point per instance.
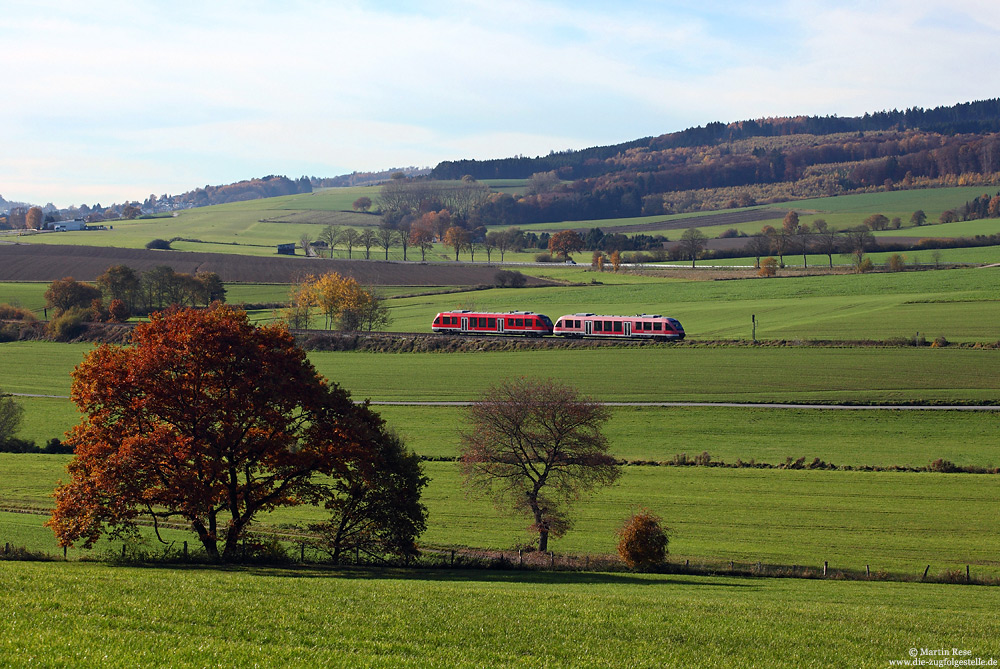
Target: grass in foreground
pixel 897 522
pixel 93 615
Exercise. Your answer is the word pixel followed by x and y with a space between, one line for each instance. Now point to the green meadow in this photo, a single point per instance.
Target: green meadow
pixel 239 227
pixel 85 615
pixel 662 373
pixel 960 305
pixel 857 437
pixel 892 521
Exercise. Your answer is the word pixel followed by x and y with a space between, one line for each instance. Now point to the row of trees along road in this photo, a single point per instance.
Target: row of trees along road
pixel 208 419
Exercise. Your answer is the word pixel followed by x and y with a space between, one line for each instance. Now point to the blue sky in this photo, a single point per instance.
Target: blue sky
pixel 111 101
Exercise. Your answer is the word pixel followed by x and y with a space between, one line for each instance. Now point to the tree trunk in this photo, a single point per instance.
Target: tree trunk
pixel 207 539
pixel 543 540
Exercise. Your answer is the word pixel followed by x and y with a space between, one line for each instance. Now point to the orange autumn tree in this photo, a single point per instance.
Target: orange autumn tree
pixel 340 299
pixel 208 419
pixel 565 242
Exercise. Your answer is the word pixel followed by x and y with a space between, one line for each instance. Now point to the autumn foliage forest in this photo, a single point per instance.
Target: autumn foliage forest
pixel 749 162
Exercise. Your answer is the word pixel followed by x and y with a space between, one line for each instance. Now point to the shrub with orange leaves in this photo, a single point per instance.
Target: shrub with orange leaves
pixel 642 540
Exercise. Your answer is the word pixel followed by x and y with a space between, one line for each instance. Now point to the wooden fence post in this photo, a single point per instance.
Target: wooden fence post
pixel 552 559
pixel 452 557
pixel 967 576
pixel 185 550
pixel 302 552
pixel 868 572
pixel 520 558
pixel 925 572
pixel 826 565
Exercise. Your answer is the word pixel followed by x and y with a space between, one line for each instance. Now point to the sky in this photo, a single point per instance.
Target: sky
pixel 111 101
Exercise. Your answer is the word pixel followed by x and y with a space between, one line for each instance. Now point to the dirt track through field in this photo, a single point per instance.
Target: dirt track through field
pixel 45 262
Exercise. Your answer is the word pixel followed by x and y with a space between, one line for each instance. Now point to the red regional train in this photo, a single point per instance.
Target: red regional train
pixel 530 324
pixel 463 321
pixel 642 326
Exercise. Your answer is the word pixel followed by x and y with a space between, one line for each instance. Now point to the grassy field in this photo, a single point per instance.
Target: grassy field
pixel 980 255
pixel 239 227
pixel 960 305
pixel 664 373
pixel 896 522
pixel 863 437
pixel 66 615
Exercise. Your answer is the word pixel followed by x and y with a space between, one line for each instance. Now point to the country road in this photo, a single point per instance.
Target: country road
pixel 737 405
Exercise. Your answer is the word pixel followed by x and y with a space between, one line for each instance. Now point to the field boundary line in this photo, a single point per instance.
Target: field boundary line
pixel 724 405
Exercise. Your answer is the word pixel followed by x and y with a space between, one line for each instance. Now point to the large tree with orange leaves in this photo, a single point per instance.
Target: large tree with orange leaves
pixel 207 419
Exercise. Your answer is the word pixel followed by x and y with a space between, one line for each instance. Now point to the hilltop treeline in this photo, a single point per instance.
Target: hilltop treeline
pixel 250 189
pixel 982 117
pixel 767 160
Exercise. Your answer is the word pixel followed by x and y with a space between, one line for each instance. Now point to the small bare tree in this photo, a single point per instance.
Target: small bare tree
pixel 533 446
pixel 692 242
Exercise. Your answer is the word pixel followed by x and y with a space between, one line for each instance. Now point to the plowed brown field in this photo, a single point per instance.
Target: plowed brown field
pixel 44 262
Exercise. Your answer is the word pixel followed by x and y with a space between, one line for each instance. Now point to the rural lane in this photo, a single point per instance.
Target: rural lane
pixel 737 405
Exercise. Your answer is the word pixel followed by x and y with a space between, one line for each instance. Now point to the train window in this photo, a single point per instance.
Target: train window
pixel 607 326
pixel 559 324
pixel 519 322
pixel 618 326
pixel 657 326
pixel 491 323
pixel 598 326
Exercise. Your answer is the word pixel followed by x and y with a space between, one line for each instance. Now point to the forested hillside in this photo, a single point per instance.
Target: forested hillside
pixel 748 162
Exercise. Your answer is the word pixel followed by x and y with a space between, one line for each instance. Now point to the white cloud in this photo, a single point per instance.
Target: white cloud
pixel 148 96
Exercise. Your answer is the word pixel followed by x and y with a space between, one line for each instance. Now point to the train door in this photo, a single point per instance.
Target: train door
pixel 500 325
pixel 628 328
pixel 588 327
pixel 465 323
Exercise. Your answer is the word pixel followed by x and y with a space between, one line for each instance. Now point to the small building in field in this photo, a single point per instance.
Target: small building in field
pixel 286 249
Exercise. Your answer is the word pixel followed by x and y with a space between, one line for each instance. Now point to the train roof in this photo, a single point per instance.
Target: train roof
pixel 493 313
pixel 589 315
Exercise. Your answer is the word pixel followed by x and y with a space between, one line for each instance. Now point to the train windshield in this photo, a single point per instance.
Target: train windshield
pixel 546 320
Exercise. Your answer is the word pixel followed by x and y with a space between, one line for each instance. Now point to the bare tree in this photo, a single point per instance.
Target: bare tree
pixel 692 242
pixel 759 245
pixel 350 237
pixel 802 239
pixel 367 240
pixel 827 239
pixel 385 238
pixel 858 241
pixel 533 446
pixel 331 237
